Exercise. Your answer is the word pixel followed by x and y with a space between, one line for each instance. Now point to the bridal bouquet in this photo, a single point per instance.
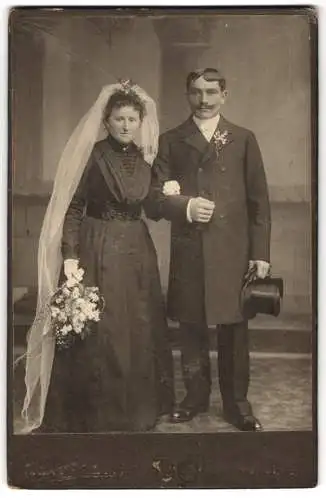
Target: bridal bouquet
pixel 74 309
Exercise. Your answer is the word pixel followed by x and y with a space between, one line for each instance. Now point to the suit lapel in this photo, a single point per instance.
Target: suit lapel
pixel 192 136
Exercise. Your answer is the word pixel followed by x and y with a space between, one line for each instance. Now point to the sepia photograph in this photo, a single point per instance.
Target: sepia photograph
pixel 162 247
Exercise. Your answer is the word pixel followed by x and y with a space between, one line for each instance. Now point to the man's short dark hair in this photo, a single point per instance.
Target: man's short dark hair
pixel 209 74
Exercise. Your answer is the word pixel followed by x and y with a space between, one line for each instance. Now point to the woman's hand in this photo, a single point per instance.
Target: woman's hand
pixel 70 268
pixel 171 188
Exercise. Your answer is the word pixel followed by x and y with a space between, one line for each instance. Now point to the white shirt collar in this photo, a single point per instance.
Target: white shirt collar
pixel 209 123
pixel 208 126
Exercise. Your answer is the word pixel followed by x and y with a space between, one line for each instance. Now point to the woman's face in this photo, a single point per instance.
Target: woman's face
pixel 123 123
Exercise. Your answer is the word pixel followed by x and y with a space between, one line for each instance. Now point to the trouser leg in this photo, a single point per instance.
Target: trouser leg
pixel 234 368
pixel 195 363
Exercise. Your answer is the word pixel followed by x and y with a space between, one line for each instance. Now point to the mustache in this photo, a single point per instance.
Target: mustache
pixel 205 107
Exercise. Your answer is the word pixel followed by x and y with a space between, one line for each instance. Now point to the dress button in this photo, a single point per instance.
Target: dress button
pixel 200 170
pixel 223 169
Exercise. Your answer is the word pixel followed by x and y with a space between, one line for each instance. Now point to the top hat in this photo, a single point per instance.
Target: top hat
pixel 261 296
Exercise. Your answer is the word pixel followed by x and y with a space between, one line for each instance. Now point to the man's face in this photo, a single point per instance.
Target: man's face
pixel 205 98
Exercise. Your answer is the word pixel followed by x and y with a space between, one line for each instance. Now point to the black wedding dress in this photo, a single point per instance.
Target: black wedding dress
pixel 119 378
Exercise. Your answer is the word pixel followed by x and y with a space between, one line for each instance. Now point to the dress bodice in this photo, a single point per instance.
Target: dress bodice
pixel 115 174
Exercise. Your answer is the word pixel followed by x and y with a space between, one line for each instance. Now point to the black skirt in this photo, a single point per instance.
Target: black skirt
pixel 121 376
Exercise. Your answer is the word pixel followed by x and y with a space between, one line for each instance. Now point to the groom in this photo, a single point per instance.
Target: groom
pixel 219 208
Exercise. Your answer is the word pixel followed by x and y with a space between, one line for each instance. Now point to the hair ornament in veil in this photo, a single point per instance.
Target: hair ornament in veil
pixel 126 85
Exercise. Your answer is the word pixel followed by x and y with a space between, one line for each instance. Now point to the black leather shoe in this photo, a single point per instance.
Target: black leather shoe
pixel 245 423
pixel 181 414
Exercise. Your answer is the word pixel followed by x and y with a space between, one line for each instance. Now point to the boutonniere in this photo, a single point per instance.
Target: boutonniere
pixel 220 140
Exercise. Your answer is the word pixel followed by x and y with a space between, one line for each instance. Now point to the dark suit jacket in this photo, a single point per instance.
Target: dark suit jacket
pixel 208 261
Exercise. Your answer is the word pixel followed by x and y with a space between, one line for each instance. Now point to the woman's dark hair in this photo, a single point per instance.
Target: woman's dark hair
pixel 121 99
pixel 209 74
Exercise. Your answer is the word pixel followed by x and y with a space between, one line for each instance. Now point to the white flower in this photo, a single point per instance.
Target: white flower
pixel 82 316
pixel 93 296
pixel 88 309
pixel 221 139
pixel 171 188
pixel 77 325
pixel 96 316
pixel 65 329
pixel 54 312
pixel 62 316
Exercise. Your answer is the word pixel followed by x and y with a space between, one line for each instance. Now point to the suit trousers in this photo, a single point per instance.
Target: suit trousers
pixel 233 366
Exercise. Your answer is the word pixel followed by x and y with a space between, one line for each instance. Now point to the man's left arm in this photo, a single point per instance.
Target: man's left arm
pixel 258 203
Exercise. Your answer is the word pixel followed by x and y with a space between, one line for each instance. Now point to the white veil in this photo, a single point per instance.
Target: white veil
pixel 40 342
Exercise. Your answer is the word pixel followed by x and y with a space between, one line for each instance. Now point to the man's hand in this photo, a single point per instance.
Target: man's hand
pixel 70 267
pixel 262 268
pixel 201 210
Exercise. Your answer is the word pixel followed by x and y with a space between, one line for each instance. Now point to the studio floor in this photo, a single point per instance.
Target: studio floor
pixel 281 387
pixel 280 393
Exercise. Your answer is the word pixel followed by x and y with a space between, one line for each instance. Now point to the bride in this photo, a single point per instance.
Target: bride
pixel 120 377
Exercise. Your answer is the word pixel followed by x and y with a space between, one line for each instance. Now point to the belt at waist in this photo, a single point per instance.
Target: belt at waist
pixel 112 213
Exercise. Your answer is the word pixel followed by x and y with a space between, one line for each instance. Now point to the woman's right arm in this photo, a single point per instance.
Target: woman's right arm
pixel 74 217
pixel 157 205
